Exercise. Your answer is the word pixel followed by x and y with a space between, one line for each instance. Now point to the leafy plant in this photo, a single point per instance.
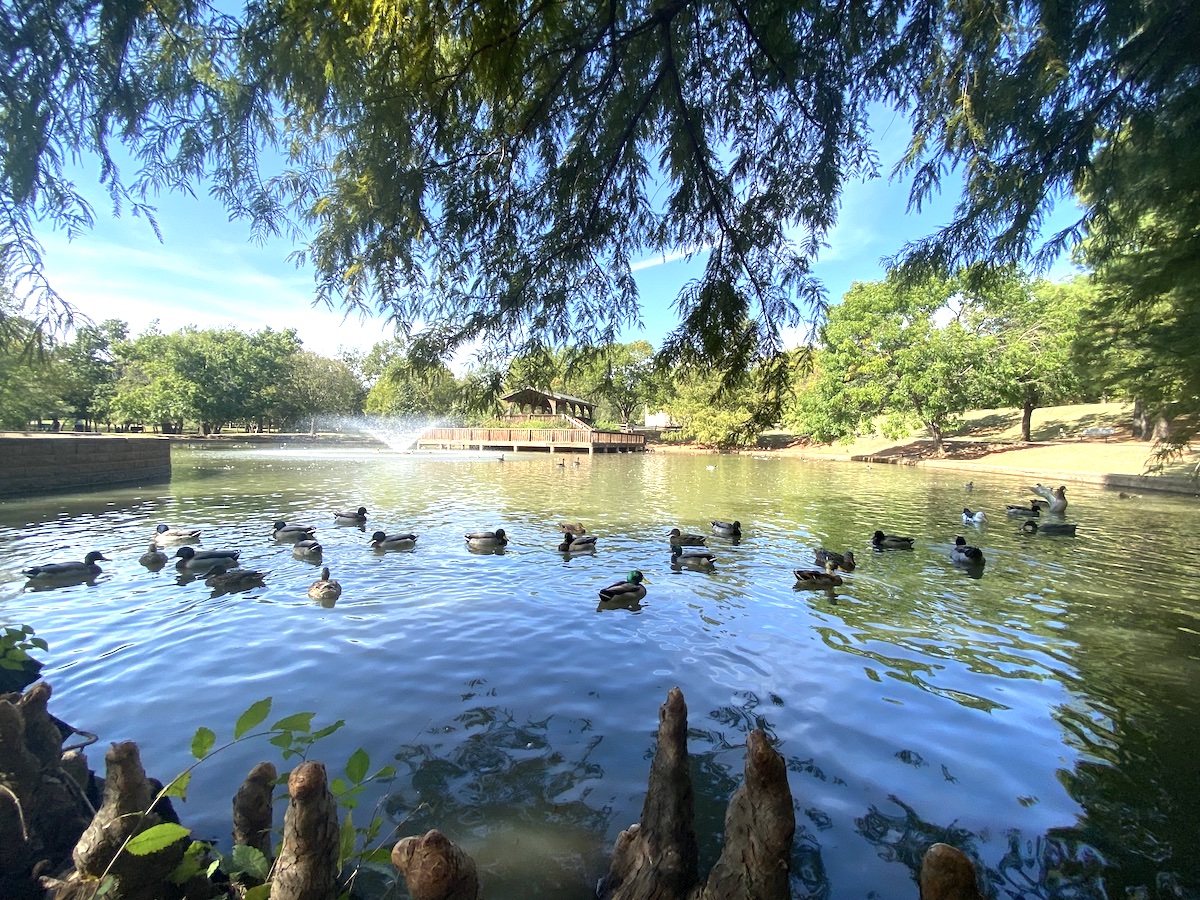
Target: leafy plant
pixel 18 669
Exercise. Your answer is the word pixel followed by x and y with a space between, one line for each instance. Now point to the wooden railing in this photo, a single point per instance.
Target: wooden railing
pixel 539 436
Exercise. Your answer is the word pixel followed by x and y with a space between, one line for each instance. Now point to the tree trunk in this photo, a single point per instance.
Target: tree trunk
pixel 1027 420
pixel 252 809
pixel 658 858
pixel 935 431
pixel 307 867
pixel 435 868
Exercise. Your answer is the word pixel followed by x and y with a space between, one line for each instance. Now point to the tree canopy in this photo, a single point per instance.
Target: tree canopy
pixel 489 171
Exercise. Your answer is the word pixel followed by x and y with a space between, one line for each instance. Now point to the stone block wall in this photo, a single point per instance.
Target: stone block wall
pixel 39 464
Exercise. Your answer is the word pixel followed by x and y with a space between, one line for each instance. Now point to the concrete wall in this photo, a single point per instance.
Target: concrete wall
pixel 40 464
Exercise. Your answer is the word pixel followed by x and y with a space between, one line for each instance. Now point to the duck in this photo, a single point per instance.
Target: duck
pixel 692 557
pixel 381 540
pixel 190 558
pixel 727 529
pixel 1054 529
pixel 1057 498
pixel 631 589
pixel 165 534
pixel 883 541
pixel 324 590
pixel 583 543
pixel 973 518
pixel 307 549
pixel 685 539
pixel 574 528
pixel 231 580
pixel 1018 512
pixel 486 540
pixel 154 558
pixel 285 532
pixel 844 561
pixel 816 578
pixel 350 516
pixel 66 571
pixel 964 554
pixel 969 486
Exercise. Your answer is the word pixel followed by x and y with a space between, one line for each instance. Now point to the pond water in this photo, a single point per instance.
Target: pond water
pixel 1043 717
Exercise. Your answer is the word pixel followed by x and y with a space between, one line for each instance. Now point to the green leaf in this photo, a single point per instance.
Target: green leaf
pixel 283 740
pixel 107 883
pixel 380 855
pixel 262 892
pixel 178 787
pixel 328 730
pixel 39 643
pixel 203 742
pixel 251 861
pixel 192 864
pixel 338 786
pixel 297 722
pixel 346 849
pixel 385 772
pixel 357 765
pixel 157 837
pixel 255 715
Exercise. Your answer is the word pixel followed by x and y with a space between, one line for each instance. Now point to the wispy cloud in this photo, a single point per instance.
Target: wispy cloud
pixel 650 263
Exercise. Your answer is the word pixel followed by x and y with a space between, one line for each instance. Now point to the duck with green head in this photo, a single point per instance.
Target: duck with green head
pixel 629 590
pixel 881 541
pixel 381 540
pixel 49 573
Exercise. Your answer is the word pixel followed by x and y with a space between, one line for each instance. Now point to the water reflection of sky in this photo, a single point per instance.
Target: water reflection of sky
pixel 1024 714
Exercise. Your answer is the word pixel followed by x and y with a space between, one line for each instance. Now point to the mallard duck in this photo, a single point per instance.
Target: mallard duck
pixel 685 539
pixel 964 554
pixel 1057 498
pixel 153 558
pixel 381 540
pixel 66 571
pixel 324 590
pixel 973 518
pixel 1053 529
pixel 231 580
pixel 199 560
pixel 307 549
pixel 1021 512
pixel 574 528
pixel 881 541
pixel 583 543
pixel 350 516
pixel 285 532
pixel 165 534
pixel 632 588
pixel 844 561
pixel 815 578
pixel 486 540
pixel 691 557
pixel 727 529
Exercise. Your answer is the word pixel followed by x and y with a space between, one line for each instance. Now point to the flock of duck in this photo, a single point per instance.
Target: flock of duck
pixel 222 572
pixel 1052 501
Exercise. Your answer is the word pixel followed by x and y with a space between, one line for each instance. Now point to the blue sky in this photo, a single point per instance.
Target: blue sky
pixel 207 271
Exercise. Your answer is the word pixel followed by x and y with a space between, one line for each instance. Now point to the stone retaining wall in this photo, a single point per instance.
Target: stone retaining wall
pixel 39 464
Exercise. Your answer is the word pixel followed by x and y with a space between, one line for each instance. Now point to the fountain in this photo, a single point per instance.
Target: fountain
pixel 398 433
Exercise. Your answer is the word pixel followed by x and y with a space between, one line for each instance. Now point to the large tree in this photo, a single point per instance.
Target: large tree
pixel 489 170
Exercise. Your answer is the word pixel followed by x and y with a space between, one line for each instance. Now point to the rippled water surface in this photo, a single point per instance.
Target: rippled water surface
pixel 1043 717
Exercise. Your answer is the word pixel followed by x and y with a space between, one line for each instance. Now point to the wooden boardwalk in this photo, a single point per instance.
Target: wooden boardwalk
pixel 516 440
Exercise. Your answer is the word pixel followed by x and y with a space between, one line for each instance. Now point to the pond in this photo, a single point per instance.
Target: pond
pixel 1043 717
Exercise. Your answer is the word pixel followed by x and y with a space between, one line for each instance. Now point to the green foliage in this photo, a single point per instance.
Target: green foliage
pixel 18 669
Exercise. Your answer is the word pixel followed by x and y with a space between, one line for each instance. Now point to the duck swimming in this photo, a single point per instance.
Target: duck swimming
pixel 973 518
pixel 351 516
pixel 1053 529
pixel 154 558
pixel 631 589
pixel 814 578
pixel 684 539
pixel 486 540
pixel 727 529
pixel 198 560
pixel 324 590
pixel 964 554
pixel 1019 512
pixel 827 558
pixel 1057 498
pixel 307 550
pixel 584 543
pixel 232 580
pixel 882 541
pixel 383 541
pixel 66 571
pixel 165 534
pixel 285 532
pixel 692 557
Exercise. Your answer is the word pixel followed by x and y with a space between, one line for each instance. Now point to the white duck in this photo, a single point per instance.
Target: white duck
pixel 1057 498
